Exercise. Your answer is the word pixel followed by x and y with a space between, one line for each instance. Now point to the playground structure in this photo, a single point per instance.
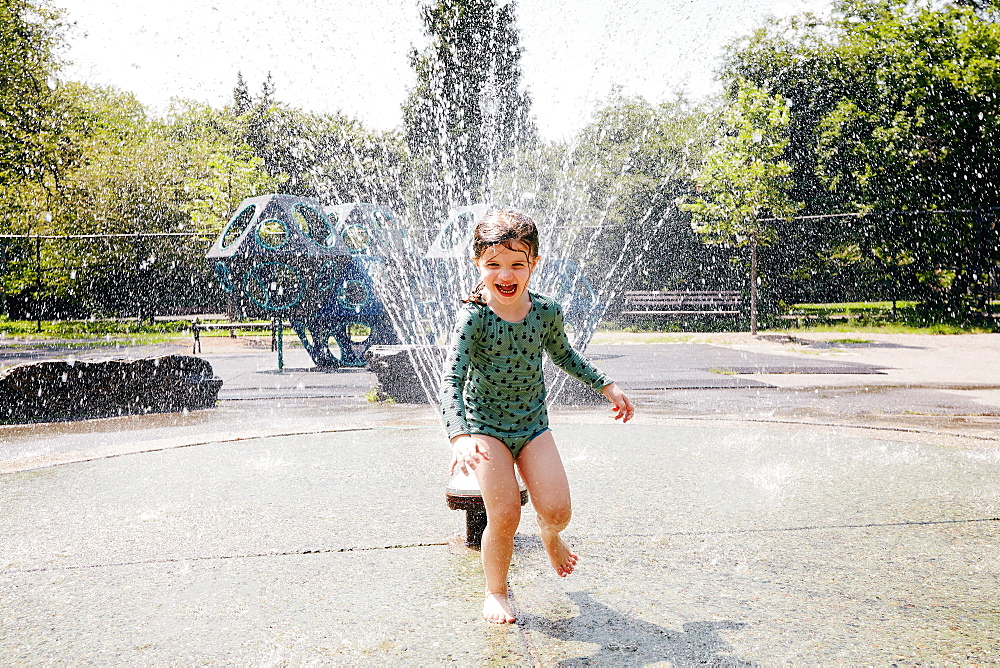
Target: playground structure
pixel 281 257
pixel 351 272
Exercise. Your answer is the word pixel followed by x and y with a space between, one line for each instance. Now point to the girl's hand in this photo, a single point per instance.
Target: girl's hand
pixel 620 405
pixel 467 453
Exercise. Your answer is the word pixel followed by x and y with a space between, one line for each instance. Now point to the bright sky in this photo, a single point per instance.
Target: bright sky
pixel 351 55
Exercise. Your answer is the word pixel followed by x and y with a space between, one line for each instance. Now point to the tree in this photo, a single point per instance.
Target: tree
pixel 133 174
pixel 745 180
pixel 329 156
pixel 468 109
pixel 30 32
pixel 640 159
pixel 213 171
pixel 606 199
pixel 344 162
pixel 893 108
pixel 242 102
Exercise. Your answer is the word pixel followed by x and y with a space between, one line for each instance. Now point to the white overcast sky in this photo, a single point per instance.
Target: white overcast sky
pixel 351 55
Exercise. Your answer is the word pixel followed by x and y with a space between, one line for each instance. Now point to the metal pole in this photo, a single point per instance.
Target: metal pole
pixel 281 358
pixel 38 283
pixel 753 288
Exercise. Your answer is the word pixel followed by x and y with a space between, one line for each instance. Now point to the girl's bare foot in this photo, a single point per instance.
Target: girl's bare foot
pixel 561 557
pixel 496 609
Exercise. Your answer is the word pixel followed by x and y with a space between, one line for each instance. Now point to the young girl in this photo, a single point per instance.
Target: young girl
pixel 493 399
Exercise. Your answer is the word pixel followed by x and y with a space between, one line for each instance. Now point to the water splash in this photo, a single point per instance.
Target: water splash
pixel 422 291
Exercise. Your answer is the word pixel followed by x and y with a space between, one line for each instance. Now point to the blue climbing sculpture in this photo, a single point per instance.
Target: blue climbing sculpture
pixel 280 256
pixel 334 272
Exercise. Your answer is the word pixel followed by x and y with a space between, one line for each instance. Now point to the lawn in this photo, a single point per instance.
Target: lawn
pixel 866 317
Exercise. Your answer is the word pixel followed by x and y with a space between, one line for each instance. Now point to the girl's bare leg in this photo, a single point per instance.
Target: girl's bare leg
pixel 544 475
pixel 503 512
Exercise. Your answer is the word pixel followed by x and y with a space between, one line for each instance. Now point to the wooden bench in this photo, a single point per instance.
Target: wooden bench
pixel 198 327
pixel 676 303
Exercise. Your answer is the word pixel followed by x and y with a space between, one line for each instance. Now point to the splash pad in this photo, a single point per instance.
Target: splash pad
pixel 700 542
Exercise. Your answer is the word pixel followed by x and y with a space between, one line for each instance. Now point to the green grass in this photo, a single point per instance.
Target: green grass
pixel 853 327
pixel 89 333
pixel 868 317
pixel 73 334
pixel 876 317
pixel 375 397
pixel 681 326
pixel 850 308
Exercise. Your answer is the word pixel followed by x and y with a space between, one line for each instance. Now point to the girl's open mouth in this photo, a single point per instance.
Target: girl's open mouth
pixel 507 290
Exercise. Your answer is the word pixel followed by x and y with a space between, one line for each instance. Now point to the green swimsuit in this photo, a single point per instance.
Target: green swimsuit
pixel 493 381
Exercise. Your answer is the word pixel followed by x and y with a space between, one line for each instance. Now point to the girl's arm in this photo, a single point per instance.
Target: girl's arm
pixel 563 354
pixel 467 451
pixel 456 368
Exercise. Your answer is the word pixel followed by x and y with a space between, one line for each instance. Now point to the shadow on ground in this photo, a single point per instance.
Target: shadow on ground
pixel 625 640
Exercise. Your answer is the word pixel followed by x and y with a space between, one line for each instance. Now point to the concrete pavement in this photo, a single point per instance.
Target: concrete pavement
pixel 720 544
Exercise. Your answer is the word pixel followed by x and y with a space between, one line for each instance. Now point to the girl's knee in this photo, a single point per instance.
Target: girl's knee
pixel 555 517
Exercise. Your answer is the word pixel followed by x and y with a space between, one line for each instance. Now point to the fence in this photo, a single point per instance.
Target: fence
pixel 147 274
pixel 944 256
pixel 118 275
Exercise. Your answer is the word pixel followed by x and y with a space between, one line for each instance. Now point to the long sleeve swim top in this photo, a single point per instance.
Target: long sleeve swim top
pixel 492 381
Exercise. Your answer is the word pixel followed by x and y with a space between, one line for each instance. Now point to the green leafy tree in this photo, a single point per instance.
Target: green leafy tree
pixel 916 134
pixel 32 148
pixel 468 110
pixel 329 156
pixel 336 159
pixel 213 170
pixel 639 159
pixel 744 180
pixel 30 33
pixel 99 129
pixel 134 174
pixel 893 108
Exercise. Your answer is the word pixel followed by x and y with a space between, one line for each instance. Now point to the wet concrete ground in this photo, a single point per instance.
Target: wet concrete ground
pixel 303 524
pixel 716 544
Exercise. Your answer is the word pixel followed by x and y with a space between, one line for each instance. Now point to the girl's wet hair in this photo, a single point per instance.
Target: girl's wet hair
pixel 505 227
pixel 502 227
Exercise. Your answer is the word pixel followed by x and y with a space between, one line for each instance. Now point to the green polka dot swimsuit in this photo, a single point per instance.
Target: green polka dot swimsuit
pixel 492 381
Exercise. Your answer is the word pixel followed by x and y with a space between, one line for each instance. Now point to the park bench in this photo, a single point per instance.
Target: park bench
pixel 680 303
pixel 198 327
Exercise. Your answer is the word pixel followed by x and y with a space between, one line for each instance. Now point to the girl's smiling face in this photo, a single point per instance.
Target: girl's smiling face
pixel 505 271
